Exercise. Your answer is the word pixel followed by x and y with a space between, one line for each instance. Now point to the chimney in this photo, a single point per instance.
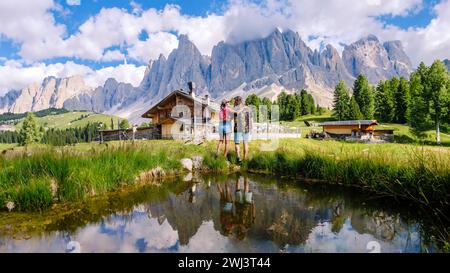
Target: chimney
pixel 191 86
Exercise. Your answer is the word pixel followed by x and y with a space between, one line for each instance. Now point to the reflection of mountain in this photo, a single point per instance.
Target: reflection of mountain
pixel 379 224
pixel 187 217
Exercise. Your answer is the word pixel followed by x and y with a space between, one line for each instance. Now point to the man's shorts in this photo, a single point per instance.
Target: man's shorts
pixel 239 136
pixel 243 197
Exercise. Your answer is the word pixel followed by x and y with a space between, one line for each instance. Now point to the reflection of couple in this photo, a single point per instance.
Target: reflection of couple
pixel 236 216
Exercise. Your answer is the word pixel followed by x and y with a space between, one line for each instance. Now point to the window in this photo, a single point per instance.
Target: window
pixel 180 115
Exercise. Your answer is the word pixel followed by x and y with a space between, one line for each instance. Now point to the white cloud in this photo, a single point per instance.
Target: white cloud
pixel 16 76
pixel 113 55
pixel 157 43
pixel 428 43
pixel 128 73
pixel 73 2
pixel 30 24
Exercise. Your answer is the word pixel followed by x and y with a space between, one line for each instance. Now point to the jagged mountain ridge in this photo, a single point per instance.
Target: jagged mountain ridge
pixel 281 59
pixel 51 93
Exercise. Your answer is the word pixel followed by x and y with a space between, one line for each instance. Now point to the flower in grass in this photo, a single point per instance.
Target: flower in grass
pixel 10 205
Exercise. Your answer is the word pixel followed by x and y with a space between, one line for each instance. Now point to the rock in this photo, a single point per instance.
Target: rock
pixel 188 177
pixel 10 205
pixel 197 162
pixel 154 173
pixel 158 172
pixel 187 163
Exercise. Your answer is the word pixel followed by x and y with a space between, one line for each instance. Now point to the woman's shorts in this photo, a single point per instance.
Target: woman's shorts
pixel 224 129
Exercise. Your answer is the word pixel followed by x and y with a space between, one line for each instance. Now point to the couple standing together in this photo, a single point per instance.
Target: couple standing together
pixel 242 126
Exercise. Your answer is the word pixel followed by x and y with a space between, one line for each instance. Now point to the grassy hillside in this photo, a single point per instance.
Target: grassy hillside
pixel 71 120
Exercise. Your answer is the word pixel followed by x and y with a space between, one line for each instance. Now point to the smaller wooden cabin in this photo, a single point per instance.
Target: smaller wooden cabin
pixel 349 127
pixel 356 130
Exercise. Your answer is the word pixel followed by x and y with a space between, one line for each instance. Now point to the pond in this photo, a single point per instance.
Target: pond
pixel 236 213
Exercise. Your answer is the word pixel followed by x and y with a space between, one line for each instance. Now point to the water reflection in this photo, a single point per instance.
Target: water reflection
pixel 234 214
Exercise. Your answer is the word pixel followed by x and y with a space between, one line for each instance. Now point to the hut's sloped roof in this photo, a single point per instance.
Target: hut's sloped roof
pixel 212 106
pixel 349 123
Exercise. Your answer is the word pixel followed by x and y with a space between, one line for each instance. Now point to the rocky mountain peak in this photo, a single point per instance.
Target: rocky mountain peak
pixel 184 44
pixel 370 38
pixel 110 82
pixel 375 60
pixel 52 92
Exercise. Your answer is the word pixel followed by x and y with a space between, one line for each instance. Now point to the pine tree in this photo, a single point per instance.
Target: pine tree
pixel 384 102
pixel 30 131
pixel 293 106
pixel 402 100
pixel 363 94
pixel 341 101
pixel 305 103
pixel 281 102
pixel 430 98
pixel 312 104
pixel 268 104
pixel 320 110
pixel 354 112
pixel 254 100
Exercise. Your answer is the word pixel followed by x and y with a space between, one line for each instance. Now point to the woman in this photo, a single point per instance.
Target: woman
pixel 226 208
pixel 224 126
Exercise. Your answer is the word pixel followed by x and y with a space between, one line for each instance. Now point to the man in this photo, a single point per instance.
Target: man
pixel 244 207
pixel 242 127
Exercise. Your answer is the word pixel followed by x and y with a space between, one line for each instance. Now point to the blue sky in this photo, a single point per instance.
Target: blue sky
pixel 98 39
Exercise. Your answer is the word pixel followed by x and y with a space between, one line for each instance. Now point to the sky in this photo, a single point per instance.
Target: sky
pixel 98 39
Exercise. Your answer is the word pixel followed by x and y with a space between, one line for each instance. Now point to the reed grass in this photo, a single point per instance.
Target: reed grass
pixel 29 180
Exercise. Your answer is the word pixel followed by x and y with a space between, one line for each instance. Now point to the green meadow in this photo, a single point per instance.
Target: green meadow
pixel 71 120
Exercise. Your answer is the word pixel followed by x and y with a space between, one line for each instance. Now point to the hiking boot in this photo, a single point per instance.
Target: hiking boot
pixel 239 161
